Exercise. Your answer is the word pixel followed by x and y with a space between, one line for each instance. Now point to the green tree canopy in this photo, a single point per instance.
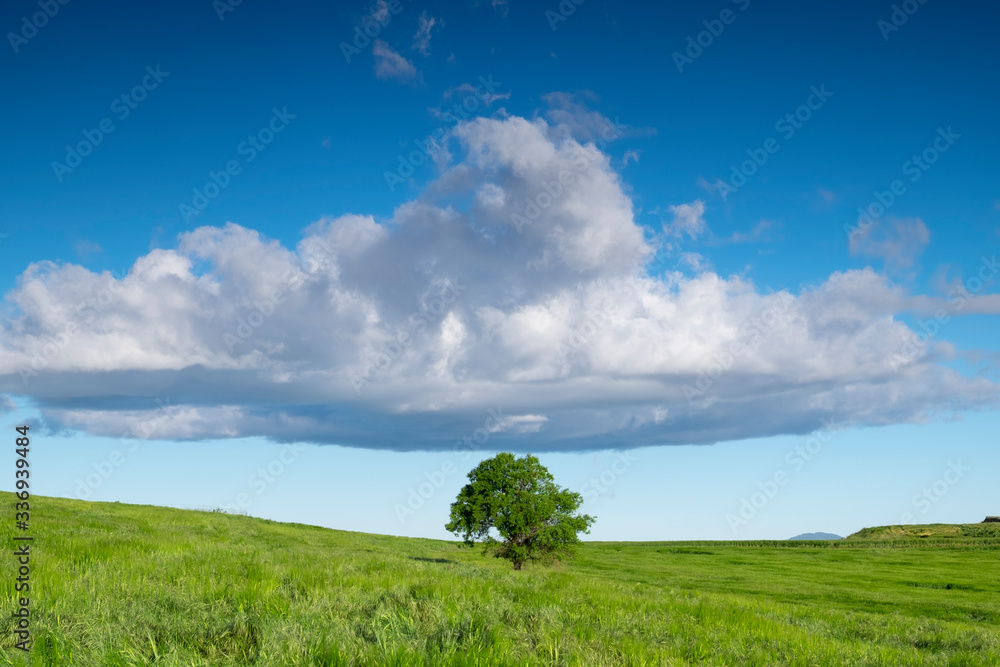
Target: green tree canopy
pixel 518 500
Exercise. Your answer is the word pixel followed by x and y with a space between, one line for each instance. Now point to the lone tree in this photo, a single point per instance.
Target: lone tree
pixel 518 499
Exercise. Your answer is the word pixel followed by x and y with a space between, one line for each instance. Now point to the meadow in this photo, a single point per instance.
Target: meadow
pixel 119 585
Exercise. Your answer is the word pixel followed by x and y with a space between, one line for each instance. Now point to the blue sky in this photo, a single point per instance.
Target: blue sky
pixel 367 302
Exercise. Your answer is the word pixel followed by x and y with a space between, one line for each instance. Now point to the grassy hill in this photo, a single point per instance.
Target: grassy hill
pixel 137 585
pixel 931 531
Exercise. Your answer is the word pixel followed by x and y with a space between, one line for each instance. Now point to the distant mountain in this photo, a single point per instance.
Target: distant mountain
pixel 816 536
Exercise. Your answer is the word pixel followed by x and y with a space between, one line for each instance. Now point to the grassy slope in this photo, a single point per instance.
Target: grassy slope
pixel 137 585
pixel 931 531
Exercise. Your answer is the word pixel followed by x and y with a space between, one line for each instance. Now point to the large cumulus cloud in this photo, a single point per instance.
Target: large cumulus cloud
pixel 509 302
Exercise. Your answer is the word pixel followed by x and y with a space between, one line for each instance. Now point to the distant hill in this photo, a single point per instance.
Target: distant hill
pixel 931 530
pixel 816 536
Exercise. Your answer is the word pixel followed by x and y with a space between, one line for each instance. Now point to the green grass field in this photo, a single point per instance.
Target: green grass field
pixel 136 585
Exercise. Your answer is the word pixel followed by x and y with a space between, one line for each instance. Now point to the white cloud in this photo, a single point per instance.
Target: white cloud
pixel 898 242
pixel 452 312
pixel 491 196
pixel 422 38
pixel 391 65
pixel 380 12
pixel 568 112
pixel 478 92
pixel 756 234
pixel 85 248
pixel 688 219
pixel 695 261
pixel 518 423
pixel 714 187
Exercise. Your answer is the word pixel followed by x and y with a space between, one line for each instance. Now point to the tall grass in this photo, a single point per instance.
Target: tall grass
pixel 135 585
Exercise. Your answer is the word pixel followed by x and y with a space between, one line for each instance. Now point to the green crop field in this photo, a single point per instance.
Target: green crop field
pixel 136 585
